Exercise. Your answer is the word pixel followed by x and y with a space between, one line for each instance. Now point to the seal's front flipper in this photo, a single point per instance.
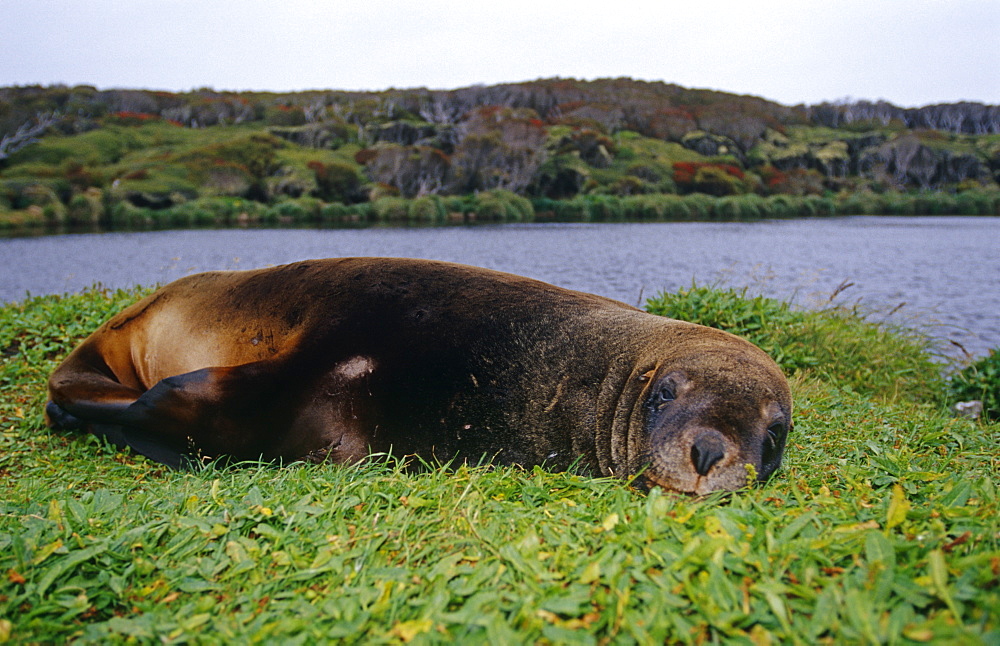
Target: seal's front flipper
pixel 58 417
pixel 212 411
pixel 207 410
pixel 142 443
pixel 145 444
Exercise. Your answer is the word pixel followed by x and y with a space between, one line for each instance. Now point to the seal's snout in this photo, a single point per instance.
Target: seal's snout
pixel 707 449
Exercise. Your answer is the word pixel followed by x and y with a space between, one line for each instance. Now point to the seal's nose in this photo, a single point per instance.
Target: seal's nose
pixel 707 449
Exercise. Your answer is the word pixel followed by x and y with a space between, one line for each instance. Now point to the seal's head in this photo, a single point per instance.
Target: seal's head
pixel 711 417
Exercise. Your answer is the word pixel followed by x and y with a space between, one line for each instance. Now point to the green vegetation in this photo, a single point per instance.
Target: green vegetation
pixel 607 149
pixel 883 526
pixel 980 381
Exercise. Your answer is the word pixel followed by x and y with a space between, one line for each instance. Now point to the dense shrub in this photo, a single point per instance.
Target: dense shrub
pixel 295 211
pixel 126 215
pixel 982 202
pixel 86 208
pixel 336 181
pixel 391 209
pixel 740 207
pixel 701 205
pixel 129 118
pixel 501 205
pixel 858 203
pixel 22 219
pixel 816 205
pixel 284 115
pixel 429 208
pixel 709 178
pixel 781 206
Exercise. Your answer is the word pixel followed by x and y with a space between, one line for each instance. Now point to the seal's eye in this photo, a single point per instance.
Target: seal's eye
pixel 774 443
pixel 773 433
pixel 665 394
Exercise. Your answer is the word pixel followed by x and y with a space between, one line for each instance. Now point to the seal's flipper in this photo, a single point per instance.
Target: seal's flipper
pixel 209 411
pixel 203 410
pixel 142 443
pixel 57 417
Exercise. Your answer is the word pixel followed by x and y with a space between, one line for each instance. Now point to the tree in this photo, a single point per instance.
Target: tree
pixel 498 148
pixel 413 170
pixel 336 181
pixel 27 134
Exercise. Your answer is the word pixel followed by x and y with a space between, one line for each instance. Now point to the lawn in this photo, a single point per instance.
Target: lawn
pixel 883 525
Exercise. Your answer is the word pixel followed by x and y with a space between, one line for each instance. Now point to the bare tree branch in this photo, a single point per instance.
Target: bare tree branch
pixel 27 134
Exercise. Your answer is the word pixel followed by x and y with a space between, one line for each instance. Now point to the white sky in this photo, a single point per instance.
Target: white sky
pixel 910 52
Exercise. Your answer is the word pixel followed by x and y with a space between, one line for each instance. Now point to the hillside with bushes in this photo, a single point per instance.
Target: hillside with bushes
pixel 604 149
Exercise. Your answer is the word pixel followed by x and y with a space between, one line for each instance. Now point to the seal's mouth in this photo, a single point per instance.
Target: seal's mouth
pixel 648 480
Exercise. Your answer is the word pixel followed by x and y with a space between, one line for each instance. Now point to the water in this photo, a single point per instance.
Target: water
pixel 942 272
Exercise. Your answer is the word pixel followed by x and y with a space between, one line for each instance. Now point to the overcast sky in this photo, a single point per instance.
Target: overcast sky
pixel 910 52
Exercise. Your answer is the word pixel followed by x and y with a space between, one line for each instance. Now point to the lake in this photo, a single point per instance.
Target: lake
pixel 942 273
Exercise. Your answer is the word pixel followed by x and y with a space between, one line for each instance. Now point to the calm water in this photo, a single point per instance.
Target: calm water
pixel 946 270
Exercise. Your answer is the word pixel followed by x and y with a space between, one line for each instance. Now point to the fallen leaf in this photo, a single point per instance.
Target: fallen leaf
pixel 898 506
pixel 609 523
pixel 958 541
pixel 407 630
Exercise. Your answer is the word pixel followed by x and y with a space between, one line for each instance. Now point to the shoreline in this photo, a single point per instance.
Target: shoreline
pixel 493 207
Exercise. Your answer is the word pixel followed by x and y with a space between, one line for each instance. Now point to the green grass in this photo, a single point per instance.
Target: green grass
pixel 883 526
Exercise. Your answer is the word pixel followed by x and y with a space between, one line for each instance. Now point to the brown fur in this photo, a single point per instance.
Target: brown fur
pixel 334 359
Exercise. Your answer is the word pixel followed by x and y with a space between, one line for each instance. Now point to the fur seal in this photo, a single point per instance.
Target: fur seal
pixel 339 358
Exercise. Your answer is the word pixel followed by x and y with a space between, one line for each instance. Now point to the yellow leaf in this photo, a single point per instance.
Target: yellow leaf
pixel 47 551
pixel 898 506
pixel 760 637
pixel 550 617
pixel 684 517
pixel 591 573
pixel 55 511
pixel 856 527
pixel 407 630
pixel 214 491
pixel 714 528
pixel 383 597
pixel 610 522
pixel 236 552
pixel 918 634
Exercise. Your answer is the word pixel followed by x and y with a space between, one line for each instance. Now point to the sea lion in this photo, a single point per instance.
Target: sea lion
pixel 336 359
